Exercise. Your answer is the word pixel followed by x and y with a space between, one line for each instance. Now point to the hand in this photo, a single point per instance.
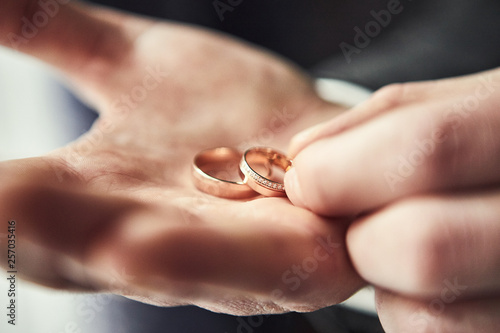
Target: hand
pixel 419 165
pixel 116 210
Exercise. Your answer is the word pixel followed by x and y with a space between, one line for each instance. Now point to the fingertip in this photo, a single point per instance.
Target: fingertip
pixel 307 182
pixel 294 188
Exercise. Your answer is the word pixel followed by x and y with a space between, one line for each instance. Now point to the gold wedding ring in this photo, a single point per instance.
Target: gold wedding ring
pixel 270 185
pixel 213 171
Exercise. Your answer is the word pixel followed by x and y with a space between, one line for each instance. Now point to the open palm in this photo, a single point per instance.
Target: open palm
pixel 116 210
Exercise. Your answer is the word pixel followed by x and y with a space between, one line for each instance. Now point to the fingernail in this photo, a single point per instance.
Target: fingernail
pixel 293 188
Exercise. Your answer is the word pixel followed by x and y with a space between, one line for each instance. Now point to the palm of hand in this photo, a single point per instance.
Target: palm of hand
pixel 116 210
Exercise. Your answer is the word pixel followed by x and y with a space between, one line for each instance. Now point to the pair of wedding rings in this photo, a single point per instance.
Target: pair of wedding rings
pixel 228 173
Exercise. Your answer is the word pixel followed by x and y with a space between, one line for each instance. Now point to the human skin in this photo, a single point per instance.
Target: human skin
pixel 116 210
pixel 419 164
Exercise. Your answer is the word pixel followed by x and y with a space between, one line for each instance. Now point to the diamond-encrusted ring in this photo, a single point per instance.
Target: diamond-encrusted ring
pixel 255 158
pixel 213 170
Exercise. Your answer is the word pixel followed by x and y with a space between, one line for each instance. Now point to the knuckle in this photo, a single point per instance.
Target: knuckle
pixel 444 151
pixel 393 95
pixel 432 153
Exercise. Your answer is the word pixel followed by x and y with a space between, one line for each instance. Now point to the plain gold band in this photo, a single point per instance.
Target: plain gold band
pixel 215 186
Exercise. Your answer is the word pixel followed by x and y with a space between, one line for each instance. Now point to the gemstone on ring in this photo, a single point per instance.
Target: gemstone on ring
pixel 256 156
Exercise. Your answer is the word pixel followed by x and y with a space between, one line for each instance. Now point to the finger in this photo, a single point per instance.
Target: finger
pixel 421 148
pixel 77 38
pixel 383 100
pixel 386 99
pixel 416 246
pixel 287 260
pixel 447 313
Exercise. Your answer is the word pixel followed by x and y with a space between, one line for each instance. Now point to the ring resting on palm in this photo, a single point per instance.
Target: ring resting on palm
pixel 215 171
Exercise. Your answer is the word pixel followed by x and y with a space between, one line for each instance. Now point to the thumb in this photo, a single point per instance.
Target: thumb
pixel 74 37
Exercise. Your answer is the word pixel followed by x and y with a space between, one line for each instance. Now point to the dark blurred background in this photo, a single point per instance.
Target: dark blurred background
pixel 426 40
